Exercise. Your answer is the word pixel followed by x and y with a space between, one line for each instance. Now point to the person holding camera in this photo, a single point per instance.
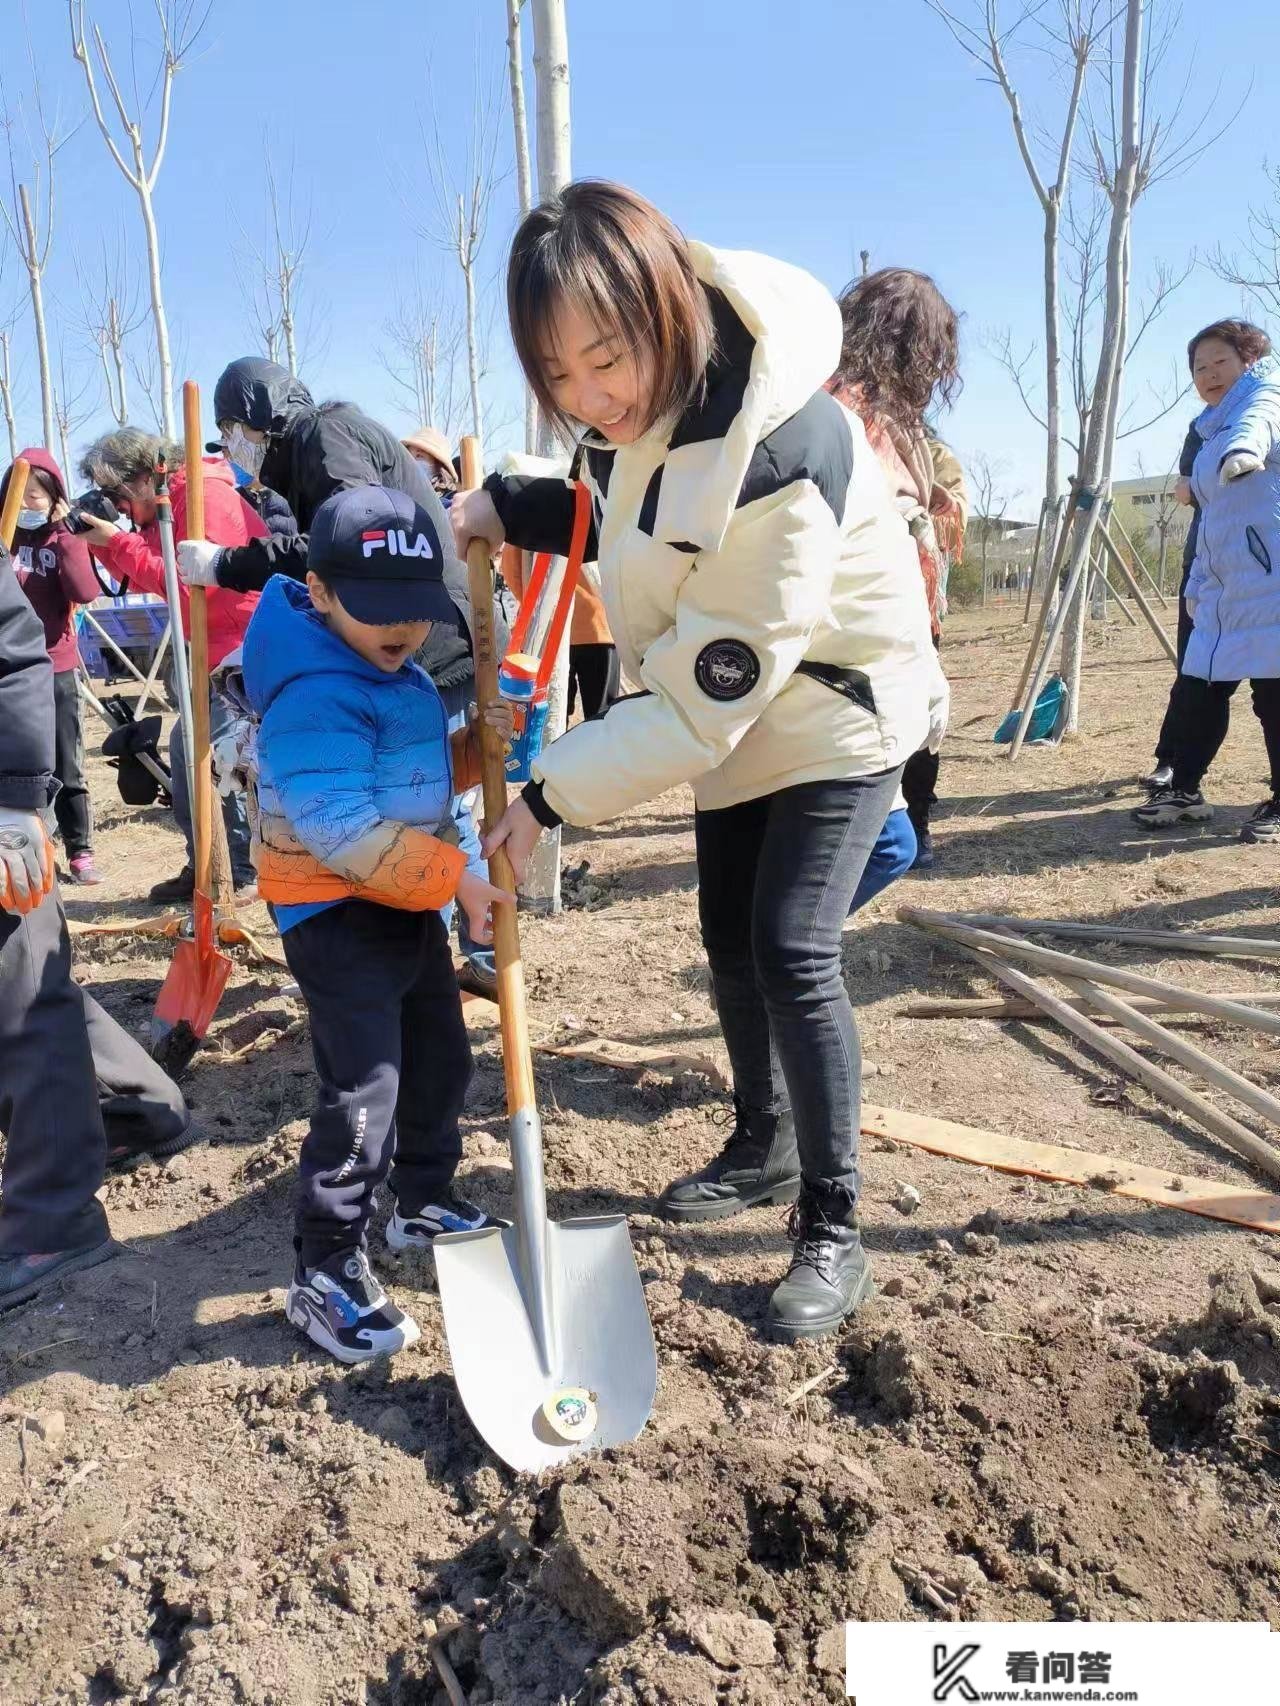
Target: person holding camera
pixel 53 569
pixel 123 465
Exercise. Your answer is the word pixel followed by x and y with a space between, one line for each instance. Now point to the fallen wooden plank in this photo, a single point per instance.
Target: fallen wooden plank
pixel 1241 1205
pixel 1178 941
pixel 1013 1007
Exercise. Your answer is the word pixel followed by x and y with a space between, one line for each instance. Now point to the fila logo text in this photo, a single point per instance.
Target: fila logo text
pixel 396 543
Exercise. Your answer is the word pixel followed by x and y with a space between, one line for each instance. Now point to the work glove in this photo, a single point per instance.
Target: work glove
pixel 1237 465
pixel 198 562
pixel 26 861
pixel 939 709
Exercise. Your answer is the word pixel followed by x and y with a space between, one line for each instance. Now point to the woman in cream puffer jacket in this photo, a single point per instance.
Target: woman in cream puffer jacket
pixel 763 592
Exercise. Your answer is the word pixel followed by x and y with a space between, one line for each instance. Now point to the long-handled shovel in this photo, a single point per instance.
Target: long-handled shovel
pixel 198 972
pixel 13 502
pixel 547 1324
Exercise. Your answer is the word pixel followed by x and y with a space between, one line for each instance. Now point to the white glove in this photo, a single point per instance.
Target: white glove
pixel 1237 465
pixel 198 562
pixel 26 861
pixel 939 709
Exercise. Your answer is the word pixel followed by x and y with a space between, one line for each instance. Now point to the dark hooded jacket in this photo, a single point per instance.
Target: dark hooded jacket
pixel 312 453
pixel 26 701
pixel 53 569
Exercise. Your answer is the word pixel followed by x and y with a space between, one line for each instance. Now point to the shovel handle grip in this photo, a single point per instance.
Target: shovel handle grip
pixel 517 1057
pixel 13 502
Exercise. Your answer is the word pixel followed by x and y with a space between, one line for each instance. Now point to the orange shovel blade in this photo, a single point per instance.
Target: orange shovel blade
pixel 194 983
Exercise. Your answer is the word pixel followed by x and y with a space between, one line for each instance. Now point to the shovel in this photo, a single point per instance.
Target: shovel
pixel 547 1325
pixel 198 972
pixel 13 502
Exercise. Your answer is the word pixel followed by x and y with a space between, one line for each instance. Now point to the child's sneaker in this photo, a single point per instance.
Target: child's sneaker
pixel 1264 825
pixel 451 1214
pixel 341 1307
pixel 84 871
pixel 1172 805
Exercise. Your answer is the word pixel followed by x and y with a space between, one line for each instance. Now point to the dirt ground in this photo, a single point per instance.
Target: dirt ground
pixel 1062 1405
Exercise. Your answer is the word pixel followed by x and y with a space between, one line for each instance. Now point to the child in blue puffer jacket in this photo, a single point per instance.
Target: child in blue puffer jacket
pixel 1233 589
pixel 357 850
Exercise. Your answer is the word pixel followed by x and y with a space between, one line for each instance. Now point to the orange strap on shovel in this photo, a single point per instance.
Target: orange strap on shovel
pixel 198 973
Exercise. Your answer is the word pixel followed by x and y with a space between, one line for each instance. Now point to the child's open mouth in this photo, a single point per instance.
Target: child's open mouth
pixel 394 655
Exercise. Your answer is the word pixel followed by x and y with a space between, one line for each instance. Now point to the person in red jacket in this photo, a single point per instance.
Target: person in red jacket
pixel 54 571
pixel 123 464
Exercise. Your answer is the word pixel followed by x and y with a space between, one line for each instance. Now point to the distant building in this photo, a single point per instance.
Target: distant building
pixel 1151 514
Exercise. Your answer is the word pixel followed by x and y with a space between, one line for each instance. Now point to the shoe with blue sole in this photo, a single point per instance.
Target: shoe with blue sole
pixel 418 1230
pixel 341 1306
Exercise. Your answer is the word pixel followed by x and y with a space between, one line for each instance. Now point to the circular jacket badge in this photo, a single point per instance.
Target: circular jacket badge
pixel 726 669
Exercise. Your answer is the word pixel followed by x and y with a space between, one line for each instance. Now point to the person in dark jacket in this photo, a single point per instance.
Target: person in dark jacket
pixel 1167 743
pixel 272 427
pixel 54 571
pixel 74 1087
pixel 273 509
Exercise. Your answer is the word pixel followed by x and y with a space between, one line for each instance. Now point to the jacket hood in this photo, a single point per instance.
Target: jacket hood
pixel 288 638
pixel 778 335
pixel 1265 371
pixel 36 457
pixel 260 393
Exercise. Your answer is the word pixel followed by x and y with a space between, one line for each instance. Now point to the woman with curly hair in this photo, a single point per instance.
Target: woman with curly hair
pixel 899 358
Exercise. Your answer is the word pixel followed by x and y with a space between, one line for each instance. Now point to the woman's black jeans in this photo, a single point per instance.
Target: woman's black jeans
pixel 776 877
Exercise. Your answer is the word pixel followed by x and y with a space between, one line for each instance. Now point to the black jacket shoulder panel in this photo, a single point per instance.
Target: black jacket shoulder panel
pixel 815 444
pixel 728 371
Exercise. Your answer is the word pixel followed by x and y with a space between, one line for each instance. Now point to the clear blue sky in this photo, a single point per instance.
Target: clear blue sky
pixel 808 130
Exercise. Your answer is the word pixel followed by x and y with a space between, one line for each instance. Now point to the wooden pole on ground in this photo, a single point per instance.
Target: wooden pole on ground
pixel 1181 941
pixel 1072 965
pixel 1236 1136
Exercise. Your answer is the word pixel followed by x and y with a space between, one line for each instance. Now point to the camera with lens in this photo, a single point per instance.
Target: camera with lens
pixel 95 503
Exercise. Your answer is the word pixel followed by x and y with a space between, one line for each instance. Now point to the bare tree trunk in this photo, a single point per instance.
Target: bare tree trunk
pixel 117 357
pixel 163 362
pixel 35 272
pixel 551 80
pixel 524 173
pixel 179 30
pixel 1100 438
pixel 6 396
pixel 1052 361
pixel 465 256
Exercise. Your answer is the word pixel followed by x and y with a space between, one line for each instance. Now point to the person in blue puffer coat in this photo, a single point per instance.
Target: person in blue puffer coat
pixel 1233 591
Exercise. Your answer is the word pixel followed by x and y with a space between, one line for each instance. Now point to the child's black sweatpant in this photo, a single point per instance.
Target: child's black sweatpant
pixel 393 1060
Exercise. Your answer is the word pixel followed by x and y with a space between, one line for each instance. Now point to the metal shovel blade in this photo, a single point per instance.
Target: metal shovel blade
pixel 600 1340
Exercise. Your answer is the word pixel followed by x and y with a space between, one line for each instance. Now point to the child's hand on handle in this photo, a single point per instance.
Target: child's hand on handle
pixel 472 516
pixel 517 831
pixel 477 897
pixel 26 861
pixel 500 715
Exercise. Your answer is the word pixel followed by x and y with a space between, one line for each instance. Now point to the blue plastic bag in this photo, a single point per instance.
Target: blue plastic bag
pixel 1044 717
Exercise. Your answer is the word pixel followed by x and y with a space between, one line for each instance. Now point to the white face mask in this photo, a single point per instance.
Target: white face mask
pixel 32 519
pixel 245 451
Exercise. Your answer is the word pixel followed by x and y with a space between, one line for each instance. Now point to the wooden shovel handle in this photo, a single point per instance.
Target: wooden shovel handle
pixel 13 502
pixel 202 804
pixel 517 1057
